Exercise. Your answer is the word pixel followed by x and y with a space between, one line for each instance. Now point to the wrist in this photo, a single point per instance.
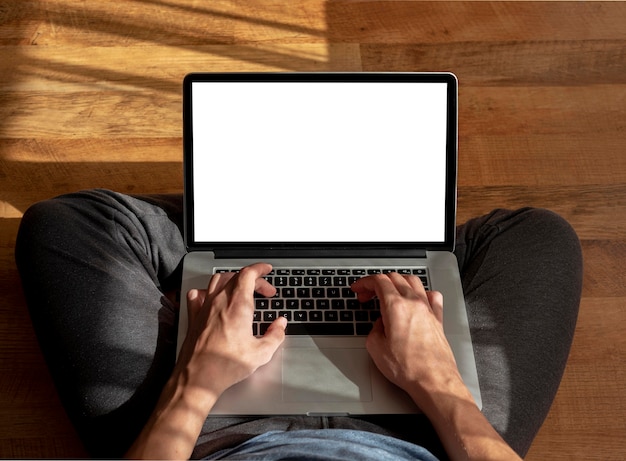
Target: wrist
pixel 443 390
pixel 176 422
pixel 184 391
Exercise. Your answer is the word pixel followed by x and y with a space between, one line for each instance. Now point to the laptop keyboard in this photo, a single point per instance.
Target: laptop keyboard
pixel 319 301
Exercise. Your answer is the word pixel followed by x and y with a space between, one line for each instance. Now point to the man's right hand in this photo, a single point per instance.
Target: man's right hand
pixel 409 347
pixel 407 342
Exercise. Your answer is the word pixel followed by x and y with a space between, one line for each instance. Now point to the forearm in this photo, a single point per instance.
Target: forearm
pixel 176 422
pixel 462 428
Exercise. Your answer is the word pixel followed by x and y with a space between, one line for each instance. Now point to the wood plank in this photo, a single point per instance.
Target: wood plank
pixel 172 22
pixel 490 62
pixel 34 169
pixel 176 22
pixel 81 68
pixel 541 160
pixel 45 180
pixel 595 212
pixel 447 22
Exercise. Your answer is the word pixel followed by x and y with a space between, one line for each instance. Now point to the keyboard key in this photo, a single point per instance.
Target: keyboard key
pixel 281 281
pixel 295 281
pixel 338 303
pixel 263 303
pixel 340 281
pixel 353 304
pixel 331 316
pixel 333 329
pixel 322 304
pixel 347 293
pixel 346 316
pixel 300 316
pixel 278 303
pixel 325 281
pixel 362 329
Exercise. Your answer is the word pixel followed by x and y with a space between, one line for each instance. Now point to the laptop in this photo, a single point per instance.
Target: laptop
pixel 328 177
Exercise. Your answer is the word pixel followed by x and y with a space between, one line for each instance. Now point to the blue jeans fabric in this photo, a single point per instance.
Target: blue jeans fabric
pixel 95 266
pixel 325 445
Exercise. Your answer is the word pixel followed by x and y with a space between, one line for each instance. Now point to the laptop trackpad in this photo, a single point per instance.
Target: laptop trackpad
pixel 326 375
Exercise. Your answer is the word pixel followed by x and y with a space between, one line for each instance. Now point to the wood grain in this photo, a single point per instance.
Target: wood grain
pixel 90 96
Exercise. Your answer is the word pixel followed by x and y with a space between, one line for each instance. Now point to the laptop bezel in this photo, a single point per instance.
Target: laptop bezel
pixel 303 249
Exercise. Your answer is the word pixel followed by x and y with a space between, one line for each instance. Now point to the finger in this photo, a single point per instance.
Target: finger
pixel 250 276
pixel 379 285
pixel 435 299
pixel 264 288
pixel 195 300
pixel 375 338
pixel 408 286
pixel 274 336
pixel 244 285
pixel 219 281
pixel 416 284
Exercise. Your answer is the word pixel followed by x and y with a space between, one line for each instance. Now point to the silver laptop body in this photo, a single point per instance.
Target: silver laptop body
pixel 323 171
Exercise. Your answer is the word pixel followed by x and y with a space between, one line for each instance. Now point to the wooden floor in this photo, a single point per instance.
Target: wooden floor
pixel 90 97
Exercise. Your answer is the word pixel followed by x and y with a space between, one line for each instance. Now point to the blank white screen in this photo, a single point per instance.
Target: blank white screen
pixel 319 161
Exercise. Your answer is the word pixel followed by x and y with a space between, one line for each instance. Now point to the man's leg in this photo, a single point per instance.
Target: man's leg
pixel 94 267
pixel 522 279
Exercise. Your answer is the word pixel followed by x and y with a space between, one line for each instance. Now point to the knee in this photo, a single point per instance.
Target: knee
pixel 553 227
pixel 556 239
pixel 51 223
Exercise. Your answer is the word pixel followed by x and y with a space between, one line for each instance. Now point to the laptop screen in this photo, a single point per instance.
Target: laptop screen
pixel 331 160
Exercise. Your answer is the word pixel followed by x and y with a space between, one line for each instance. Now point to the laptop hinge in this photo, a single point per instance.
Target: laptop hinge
pixel 266 253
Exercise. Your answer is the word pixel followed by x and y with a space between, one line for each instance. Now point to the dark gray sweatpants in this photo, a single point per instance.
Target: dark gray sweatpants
pixel 95 264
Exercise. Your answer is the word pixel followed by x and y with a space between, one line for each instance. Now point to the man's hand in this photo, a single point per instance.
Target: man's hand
pixel 409 347
pixel 407 342
pixel 219 351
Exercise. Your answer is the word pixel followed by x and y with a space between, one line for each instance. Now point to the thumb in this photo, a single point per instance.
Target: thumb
pixel 275 335
pixel 375 339
pixel 195 300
